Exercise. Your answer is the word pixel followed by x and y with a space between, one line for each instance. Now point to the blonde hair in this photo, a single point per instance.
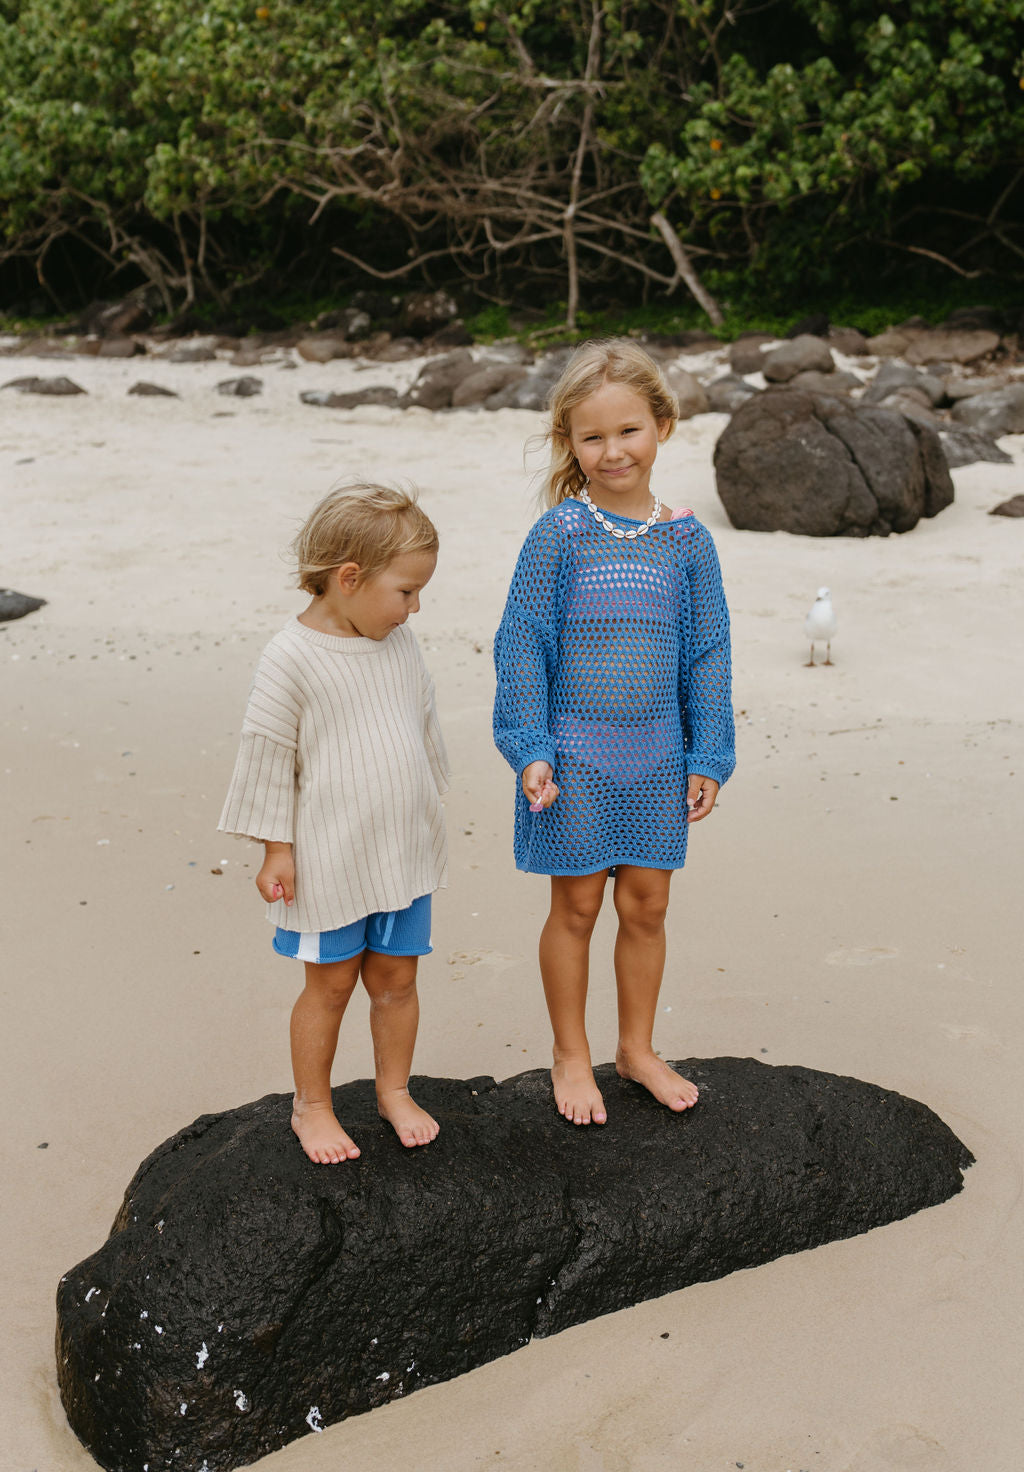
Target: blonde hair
pixel 367 524
pixel 613 360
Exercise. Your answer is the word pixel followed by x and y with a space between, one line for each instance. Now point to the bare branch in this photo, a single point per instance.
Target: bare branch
pixel 684 266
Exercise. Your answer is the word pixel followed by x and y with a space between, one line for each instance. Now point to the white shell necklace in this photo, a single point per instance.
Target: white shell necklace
pixel 609 526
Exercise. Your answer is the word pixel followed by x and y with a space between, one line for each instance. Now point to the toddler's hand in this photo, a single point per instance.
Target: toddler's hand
pixel 276 879
pixel 700 797
pixel 538 787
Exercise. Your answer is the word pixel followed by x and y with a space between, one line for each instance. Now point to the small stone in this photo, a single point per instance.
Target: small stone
pixel 240 388
pixel 1013 507
pixel 54 387
pixel 15 605
pixel 152 390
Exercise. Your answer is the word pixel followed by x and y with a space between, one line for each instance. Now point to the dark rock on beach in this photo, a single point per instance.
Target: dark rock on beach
pixel 996 413
pixel 240 388
pixel 1013 507
pixel 375 393
pixel 55 387
pixel 16 605
pixel 152 391
pixel 962 445
pixel 746 354
pixel 728 393
pixel 803 354
pixel 821 467
pixel 247 1297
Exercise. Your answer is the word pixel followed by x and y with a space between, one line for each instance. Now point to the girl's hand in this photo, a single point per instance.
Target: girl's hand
pixel 276 879
pixel 700 796
pixel 538 787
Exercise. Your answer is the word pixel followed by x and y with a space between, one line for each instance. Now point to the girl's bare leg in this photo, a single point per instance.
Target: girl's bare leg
pixel 316 1018
pixel 564 968
pixel 394 1018
pixel 641 900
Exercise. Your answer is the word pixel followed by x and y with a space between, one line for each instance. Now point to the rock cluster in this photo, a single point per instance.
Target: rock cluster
pixel 246 1297
pixel 949 393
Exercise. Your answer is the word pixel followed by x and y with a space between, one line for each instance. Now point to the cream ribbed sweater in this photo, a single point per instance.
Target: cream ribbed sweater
pixel 341 755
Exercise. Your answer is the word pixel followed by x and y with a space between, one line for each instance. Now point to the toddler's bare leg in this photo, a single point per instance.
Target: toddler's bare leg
pixel 565 968
pixel 641 900
pixel 394 1018
pixel 316 1018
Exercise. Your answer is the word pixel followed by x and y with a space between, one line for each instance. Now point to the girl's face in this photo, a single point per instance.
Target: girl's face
pixel 374 607
pixel 615 437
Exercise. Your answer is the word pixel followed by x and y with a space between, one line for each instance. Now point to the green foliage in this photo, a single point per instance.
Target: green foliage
pixel 888 112
pixel 208 146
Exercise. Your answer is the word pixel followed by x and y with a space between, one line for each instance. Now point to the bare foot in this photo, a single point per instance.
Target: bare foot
pixel 321 1136
pixel 412 1125
pixel 577 1097
pixel 667 1086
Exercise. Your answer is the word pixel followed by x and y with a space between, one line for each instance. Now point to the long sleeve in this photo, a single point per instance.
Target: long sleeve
pixel 525 649
pixel 707 680
pixel 261 797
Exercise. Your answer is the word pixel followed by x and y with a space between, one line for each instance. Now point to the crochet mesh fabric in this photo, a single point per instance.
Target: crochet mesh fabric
pixel 613 665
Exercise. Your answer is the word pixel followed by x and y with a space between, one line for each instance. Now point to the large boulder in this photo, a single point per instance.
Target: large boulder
pixel 820 467
pixel 246 1297
pixel 804 354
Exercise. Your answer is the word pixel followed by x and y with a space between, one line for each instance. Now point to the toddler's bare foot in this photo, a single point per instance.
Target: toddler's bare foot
pixel 412 1125
pixel 577 1097
pixel 667 1086
pixel 321 1136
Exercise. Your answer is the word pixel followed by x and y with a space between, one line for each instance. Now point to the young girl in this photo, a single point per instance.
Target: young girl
pixel 613 706
pixel 339 772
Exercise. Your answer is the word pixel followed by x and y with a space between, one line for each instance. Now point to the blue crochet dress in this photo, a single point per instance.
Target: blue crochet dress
pixel 613 665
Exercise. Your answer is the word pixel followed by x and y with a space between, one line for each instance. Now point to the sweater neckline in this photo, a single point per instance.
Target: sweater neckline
pixel 336 643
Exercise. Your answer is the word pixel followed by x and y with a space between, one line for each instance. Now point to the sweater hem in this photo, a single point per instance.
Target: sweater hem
pixel 611 864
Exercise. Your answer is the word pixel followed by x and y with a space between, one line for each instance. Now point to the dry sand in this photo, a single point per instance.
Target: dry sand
pixel 852 906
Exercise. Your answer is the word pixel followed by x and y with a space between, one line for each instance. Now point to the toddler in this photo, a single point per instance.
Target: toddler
pixel 339 773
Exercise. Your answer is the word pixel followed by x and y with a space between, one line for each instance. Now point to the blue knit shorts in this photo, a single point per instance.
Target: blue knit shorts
pixel 389 933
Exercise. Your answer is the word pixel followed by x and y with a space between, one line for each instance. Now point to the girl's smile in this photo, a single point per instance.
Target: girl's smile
pixel 615 439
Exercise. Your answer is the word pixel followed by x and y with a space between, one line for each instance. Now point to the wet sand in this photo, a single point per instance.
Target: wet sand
pixel 851 906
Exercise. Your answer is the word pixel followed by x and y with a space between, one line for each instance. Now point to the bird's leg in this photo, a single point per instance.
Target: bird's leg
pixel 810 663
pixel 828 652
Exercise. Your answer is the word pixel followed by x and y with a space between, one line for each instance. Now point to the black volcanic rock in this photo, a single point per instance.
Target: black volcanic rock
pixel 16 605
pixel 246 1297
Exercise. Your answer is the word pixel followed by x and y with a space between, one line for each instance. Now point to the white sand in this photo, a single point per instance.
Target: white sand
pixel 852 906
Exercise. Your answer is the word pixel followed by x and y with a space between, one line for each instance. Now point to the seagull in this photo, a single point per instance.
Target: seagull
pixel 820 624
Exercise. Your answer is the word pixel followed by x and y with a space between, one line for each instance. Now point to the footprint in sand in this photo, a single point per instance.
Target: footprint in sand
pixel 861 955
pixel 493 960
pixel 900 1449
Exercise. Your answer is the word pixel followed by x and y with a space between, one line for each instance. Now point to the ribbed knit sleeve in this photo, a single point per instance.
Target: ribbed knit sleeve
pixel 261 797
pixel 525 649
pixel 707 681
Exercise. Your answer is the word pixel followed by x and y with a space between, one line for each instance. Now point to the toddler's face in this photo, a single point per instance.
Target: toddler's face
pixel 615 438
pixel 377 606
